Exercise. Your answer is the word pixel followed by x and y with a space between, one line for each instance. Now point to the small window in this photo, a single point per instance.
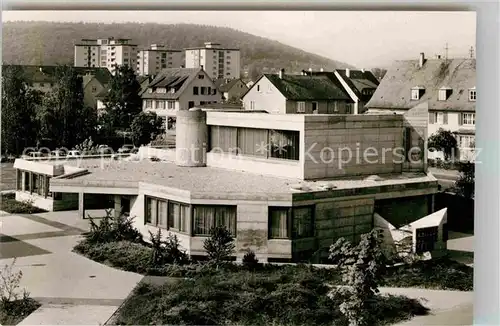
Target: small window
pixel 203 90
pixel 258 88
pixel 472 95
pixel 301 107
pixel 201 76
pixel 415 94
pixel 468 119
pixel 252 105
pixel 195 90
pixel 171 105
pixel 94 89
pixel 279 222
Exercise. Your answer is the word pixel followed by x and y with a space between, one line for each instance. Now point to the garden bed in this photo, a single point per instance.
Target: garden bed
pixel 17 311
pixel 439 274
pixel 284 296
pixel 9 204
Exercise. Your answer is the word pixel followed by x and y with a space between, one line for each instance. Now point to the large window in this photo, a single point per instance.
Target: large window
pixel 253 141
pixel 207 217
pixel 166 214
pixel 160 105
pixel 284 144
pixel 223 139
pixel 468 119
pixel 291 223
pixel 178 215
pixel 426 239
pixel 301 107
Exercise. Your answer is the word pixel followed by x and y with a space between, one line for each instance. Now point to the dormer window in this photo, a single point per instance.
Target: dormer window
pixel 444 93
pixel 472 94
pixel 172 90
pixel 150 90
pixel 416 93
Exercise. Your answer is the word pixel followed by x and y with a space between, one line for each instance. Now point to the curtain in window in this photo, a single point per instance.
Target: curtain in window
pixel 226 216
pixel 173 215
pixel 284 144
pixel 154 211
pixel 204 218
pixel 279 223
pixel 162 213
pixel 302 222
pixel 253 141
pixel 184 218
pixel 223 138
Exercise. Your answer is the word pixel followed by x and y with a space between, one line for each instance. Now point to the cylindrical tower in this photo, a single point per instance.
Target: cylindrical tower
pixel 191 138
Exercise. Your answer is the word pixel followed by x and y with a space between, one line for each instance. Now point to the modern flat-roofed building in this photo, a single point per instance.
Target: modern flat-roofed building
pixel 151 61
pixel 286 186
pixel 216 60
pixel 106 52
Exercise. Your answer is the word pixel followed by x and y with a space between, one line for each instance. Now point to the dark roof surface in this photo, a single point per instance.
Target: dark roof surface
pixel 308 88
pixel 177 78
pixel 33 73
pixel 358 81
pixel 394 91
pixel 224 84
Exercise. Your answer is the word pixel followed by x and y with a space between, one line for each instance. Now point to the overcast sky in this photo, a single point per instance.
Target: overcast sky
pixel 363 39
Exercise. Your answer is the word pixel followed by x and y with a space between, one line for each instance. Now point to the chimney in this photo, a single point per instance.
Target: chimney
pixel 281 73
pixel 421 60
pixel 348 72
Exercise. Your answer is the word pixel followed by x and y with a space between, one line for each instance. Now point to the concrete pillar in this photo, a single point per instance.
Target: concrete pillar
pixel 118 206
pixel 81 205
pixel 191 138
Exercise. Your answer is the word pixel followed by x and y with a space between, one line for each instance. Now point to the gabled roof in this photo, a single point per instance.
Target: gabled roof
pixel 176 78
pixel 358 81
pixel 224 84
pixel 307 88
pixel 41 74
pixel 394 91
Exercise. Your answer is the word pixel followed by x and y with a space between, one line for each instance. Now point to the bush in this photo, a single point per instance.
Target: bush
pixel 14 306
pixel 111 229
pixel 249 260
pixel 220 245
pixel 168 251
pixel 293 295
pixel 9 204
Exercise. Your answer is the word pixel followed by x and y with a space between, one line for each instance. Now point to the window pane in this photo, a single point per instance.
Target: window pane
pixel 154 211
pixel 173 215
pixel 35 183
pixel 162 213
pixel 253 141
pixel 204 219
pixel 223 139
pixel 26 181
pixel 303 222
pixel 278 223
pixel 284 144
pixel 226 216
pixel 148 210
pixel 184 218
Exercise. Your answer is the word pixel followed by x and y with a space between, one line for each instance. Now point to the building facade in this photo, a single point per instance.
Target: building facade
pixel 298 94
pixel 231 89
pixel 447 85
pixel 177 89
pixel 217 61
pixel 151 61
pixel 107 53
pixel 281 199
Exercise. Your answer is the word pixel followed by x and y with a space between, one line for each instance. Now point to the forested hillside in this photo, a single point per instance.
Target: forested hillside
pixel 52 43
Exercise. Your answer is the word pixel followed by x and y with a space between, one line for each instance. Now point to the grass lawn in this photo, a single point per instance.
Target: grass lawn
pixel 8 176
pixel 17 311
pixel 9 204
pixel 284 296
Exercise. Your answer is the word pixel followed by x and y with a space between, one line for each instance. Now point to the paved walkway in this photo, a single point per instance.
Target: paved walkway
pixel 73 290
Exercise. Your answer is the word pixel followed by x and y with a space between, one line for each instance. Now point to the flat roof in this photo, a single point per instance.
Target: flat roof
pixel 211 180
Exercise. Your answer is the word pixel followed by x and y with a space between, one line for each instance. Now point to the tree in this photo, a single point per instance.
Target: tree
pixel 63 117
pixel 123 101
pixel 19 105
pixel 146 126
pixel 220 245
pixel 362 268
pixel 444 141
pixel 465 183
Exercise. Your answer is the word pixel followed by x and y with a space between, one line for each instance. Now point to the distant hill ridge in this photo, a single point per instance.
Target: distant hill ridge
pixel 52 43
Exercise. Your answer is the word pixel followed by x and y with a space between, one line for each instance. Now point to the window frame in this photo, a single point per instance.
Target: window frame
pixel 301 107
pixel 195 228
pixel 154 221
pixel 472 95
pixel 291 232
pixel 469 119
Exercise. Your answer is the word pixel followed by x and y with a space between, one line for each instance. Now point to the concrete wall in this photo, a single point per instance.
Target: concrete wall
pixel 191 138
pixel 265 96
pixel 402 211
pixel 349 145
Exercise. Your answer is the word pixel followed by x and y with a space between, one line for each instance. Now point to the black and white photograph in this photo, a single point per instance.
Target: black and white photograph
pixel 281 168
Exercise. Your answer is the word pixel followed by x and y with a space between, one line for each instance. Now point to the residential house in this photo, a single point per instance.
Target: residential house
pixel 216 60
pixel 43 78
pixel 447 85
pixel 298 94
pixel 231 89
pixel 151 61
pixel 359 84
pixel 282 200
pixel 177 89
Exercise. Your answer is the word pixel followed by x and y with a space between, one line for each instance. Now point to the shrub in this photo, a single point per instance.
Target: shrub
pixel 166 251
pixel 9 204
pixel 111 229
pixel 220 245
pixel 249 260
pixel 14 306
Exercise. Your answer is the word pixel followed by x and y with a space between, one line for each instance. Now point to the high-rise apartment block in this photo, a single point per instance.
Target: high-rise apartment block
pixel 151 61
pixel 105 53
pixel 218 62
